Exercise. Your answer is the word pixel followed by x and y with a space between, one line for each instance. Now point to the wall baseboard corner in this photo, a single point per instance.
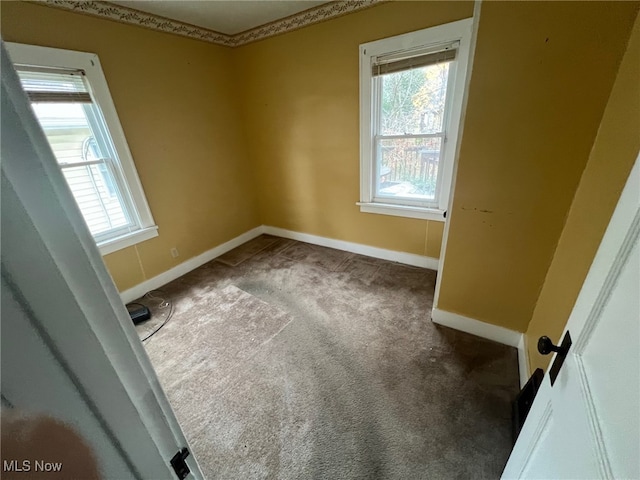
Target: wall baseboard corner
pixel 476 327
pixel 488 331
pixel 376 252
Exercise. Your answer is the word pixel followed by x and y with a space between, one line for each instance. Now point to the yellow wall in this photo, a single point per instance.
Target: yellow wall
pixel 175 99
pixel 227 139
pixel 542 75
pixel 615 149
pixel 301 110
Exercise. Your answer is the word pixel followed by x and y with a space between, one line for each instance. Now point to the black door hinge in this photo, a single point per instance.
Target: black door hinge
pixel 179 465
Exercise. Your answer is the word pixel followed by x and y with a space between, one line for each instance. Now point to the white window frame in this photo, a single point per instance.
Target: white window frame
pixel 33 55
pixel 459 31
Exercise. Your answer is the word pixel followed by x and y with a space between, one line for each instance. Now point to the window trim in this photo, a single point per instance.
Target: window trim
pixel 34 55
pixel 459 31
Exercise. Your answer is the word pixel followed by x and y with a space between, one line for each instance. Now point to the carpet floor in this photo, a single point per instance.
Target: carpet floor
pixel 285 360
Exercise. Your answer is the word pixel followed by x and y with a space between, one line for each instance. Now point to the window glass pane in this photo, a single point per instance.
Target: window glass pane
pixel 413 101
pixel 101 210
pixel 408 167
pixel 68 131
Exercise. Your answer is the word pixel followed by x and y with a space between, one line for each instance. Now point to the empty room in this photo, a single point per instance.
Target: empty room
pixel 332 240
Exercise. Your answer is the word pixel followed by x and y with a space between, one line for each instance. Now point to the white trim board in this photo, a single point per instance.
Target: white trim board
pixel 523 360
pixel 376 252
pixel 189 265
pixel 193 263
pixel 488 331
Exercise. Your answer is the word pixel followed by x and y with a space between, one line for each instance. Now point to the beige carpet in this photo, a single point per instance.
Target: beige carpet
pixel 201 355
pixel 285 360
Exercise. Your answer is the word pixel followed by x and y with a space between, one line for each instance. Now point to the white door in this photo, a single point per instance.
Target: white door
pixel 587 425
pixel 69 349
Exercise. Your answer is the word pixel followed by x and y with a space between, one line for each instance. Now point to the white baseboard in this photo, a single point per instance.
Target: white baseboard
pixel 476 327
pixel 191 264
pixel 384 254
pixel 488 331
pixel 523 361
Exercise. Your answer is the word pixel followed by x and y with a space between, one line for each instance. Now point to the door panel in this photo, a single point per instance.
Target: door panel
pixel 52 265
pixel 25 355
pixel 614 335
pixel 587 425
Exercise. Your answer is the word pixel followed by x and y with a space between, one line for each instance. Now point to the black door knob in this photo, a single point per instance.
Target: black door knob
pixel 546 346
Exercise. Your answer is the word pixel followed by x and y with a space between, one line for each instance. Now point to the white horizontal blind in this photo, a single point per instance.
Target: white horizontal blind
pixel 54 86
pixel 81 143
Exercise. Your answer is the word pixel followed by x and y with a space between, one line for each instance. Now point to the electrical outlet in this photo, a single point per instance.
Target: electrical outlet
pixel 174 252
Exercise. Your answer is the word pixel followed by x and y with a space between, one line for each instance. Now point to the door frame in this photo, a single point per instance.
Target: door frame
pixel 54 270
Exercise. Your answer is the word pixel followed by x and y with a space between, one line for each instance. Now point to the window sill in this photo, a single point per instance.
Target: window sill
pixel 402 211
pixel 124 241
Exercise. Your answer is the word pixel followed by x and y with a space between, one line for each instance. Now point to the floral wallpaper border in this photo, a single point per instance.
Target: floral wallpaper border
pixel 131 16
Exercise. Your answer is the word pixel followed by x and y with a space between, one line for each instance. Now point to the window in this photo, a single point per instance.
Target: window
pixel 71 100
pixel 411 89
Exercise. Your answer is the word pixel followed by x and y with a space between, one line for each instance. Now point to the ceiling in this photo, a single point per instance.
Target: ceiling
pixel 225 16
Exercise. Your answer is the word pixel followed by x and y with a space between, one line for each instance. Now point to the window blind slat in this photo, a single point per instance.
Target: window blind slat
pixel 59 97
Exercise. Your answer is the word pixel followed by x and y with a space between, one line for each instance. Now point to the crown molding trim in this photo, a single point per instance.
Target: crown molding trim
pixel 130 16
